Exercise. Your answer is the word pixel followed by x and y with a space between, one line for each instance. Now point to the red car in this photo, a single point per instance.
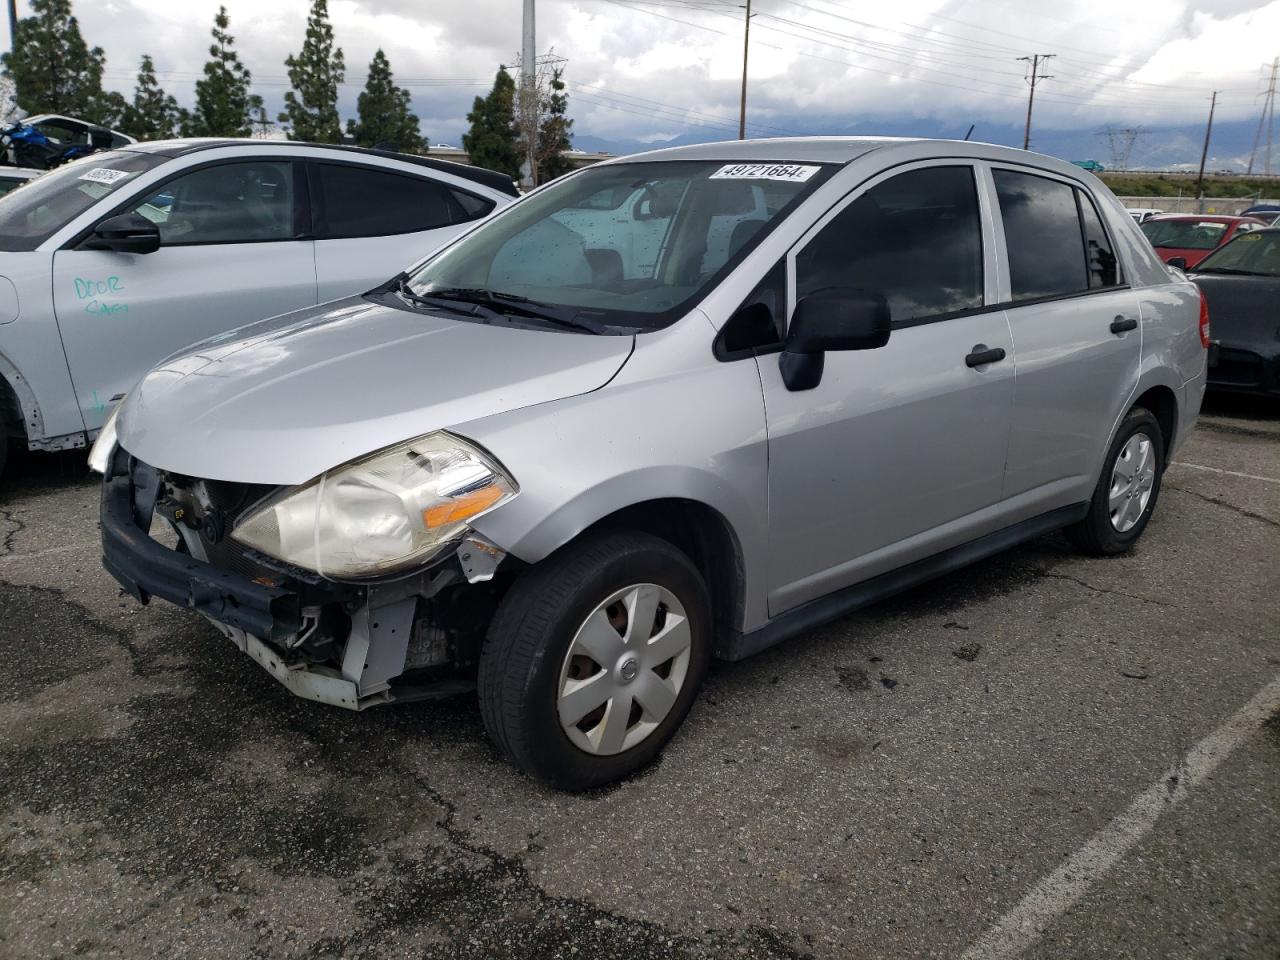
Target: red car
pixel 1192 237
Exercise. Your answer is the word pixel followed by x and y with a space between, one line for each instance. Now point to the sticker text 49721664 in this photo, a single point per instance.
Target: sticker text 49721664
pixel 794 172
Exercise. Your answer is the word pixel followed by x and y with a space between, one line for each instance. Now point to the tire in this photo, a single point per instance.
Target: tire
pixel 568 604
pixel 1101 535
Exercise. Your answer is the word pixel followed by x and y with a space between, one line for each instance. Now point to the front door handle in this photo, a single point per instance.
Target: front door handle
pixel 982 355
pixel 1123 324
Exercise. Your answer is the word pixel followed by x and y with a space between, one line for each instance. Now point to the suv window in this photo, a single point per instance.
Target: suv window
pixel 243 202
pixel 1042 233
pixel 915 238
pixel 362 202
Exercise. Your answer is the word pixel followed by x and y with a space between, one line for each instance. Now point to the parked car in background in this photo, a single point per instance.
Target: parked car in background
pixel 1183 240
pixel 1143 214
pixel 566 466
pixel 49 140
pixel 13 177
pixel 1241 282
pixel 112 263
pixel 1267 212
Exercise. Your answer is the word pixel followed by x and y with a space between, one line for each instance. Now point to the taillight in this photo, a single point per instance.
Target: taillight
pixel 1204 321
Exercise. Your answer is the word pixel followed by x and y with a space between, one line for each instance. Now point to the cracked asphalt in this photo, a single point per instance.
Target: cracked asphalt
pixel 888 786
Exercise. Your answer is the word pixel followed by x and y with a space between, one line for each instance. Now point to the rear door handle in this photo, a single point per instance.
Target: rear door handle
pixel 1123 324
pixel 982 355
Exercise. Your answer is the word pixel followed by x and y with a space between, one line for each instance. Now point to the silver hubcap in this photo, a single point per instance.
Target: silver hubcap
pixel 624 670
pixel 1132 478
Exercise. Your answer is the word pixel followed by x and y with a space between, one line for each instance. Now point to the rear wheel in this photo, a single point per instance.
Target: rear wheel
pixel 1127 490
pixel 594 658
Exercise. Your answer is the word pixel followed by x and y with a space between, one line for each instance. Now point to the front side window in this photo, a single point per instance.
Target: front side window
pixel 30 216
pixel 243 202
pixel 915 238
pixel 626 244
pixel 1185 234
pixel 361 202
pixel 1042 233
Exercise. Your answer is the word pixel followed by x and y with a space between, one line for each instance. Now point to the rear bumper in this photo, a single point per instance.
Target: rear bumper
pixel 1238 368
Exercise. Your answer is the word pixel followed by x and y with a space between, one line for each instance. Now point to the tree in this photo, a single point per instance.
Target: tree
pixel 491 141
pixel 154 114
pixel 311 107
pixel 383 109
pixel 223 100
pixel 553 131
pixel 54 70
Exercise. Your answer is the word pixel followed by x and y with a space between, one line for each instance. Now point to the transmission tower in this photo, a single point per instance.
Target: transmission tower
pixel 1268 120
pixel 1120 143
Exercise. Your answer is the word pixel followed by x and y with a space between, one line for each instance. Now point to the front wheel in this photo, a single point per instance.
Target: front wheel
pixel 594 658
pixel 1126 494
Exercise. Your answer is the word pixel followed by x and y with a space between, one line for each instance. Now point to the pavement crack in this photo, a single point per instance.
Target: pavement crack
pixel 1228 505
pixel 1097 589
pixel 6 547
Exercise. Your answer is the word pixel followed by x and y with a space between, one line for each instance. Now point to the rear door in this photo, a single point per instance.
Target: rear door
pixel 227 257
pixel 1077 333
pixel 372 222
pixel 898 452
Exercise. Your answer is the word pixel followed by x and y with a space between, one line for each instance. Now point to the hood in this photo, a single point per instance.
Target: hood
pixel 1243 311
pixel 285 403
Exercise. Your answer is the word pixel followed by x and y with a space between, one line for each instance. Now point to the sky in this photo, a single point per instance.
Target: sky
pixel 650 70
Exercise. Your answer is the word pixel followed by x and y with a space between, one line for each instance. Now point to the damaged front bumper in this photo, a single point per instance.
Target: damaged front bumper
pixel 345 644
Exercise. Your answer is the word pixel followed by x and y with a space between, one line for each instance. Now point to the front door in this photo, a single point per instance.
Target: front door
pixel 899 451
pixel 226 258
pixel 1077 331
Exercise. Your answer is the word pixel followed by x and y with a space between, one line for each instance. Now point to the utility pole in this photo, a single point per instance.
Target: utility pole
pixel 1204 155
pixel 1035 60
pixel 1268 119
pixel 528 95
pixel 742 104
pixel 13 26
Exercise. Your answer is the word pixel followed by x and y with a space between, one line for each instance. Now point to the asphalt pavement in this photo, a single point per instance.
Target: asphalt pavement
pixel 1042 755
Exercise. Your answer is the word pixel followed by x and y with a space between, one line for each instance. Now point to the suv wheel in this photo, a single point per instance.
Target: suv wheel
pixel 594 658
pixel 1127 490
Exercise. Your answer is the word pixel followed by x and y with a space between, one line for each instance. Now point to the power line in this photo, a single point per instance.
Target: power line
pixel 1034 60
pixel 1269 118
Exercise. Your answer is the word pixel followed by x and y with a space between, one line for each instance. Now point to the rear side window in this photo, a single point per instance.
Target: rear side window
pixel 360 202
pixel 1042 233
pixel 1101 259
pixel 915 238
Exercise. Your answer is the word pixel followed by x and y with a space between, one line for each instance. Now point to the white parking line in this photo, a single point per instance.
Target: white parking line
pixel 1229 473
pixel 1061 890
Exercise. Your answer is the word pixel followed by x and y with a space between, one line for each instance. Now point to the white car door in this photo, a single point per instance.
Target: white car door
pixel 372 222
pixel 227 257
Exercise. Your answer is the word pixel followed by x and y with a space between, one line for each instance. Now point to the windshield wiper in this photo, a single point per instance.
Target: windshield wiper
pixel 514 303
pixel 1235 271
pixel 478 308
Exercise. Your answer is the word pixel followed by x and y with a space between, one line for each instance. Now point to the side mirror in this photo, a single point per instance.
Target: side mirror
pixel 835 318
pixel 1179 262
pixel 126 233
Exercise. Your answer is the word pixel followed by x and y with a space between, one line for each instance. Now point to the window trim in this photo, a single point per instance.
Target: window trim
pixel 1082 198
pixel 989 269
pixel 134 200
pixel 316 196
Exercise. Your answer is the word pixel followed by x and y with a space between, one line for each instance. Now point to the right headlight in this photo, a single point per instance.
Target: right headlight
pixel 381 513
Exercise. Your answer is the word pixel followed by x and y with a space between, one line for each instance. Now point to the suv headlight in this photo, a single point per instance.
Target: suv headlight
pixel 380 513
pixel 105 444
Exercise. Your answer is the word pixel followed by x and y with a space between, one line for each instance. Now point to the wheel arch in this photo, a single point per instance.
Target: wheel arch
pixel 1162 401
pixel 19 411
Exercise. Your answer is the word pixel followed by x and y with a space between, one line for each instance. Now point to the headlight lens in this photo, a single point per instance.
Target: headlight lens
pixel 383 512
pixel 105 445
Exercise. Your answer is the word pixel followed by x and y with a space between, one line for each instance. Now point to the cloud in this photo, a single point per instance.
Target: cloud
pixel 642 69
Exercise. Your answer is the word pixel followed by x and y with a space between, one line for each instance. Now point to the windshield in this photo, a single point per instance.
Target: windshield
pixel 30 216
pixel 1184 234
pixel 1255 253
pixel 626 245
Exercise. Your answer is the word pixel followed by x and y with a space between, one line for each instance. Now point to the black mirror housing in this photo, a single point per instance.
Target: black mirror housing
pixel 126 233
pixel 1179 262
pixel 834 318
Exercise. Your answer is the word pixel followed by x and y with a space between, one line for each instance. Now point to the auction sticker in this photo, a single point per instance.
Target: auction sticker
pixel 105 175
pixel 793 172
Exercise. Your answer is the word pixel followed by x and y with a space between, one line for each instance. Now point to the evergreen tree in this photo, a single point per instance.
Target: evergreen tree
pixel 492 140
pixel 554 134
pixel 54 70
pixel 154 114
pixel 311 107
pixel 384 112
pixel 223 100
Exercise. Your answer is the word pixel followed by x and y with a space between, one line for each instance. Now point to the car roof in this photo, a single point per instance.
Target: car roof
pixel 184 147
